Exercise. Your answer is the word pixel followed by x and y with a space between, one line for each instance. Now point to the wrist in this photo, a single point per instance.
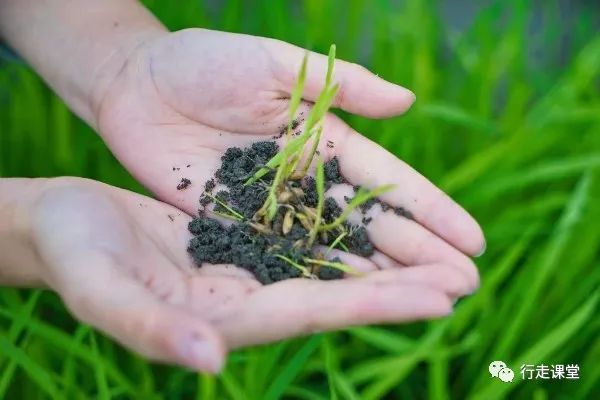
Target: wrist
pixel 114 64
pixel 20 264
pixel 77 46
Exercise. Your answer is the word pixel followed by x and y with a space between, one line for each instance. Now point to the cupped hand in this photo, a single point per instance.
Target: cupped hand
pixel 119 261
pixel 181 99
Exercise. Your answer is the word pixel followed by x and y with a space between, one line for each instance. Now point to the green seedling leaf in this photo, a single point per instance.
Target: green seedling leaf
pixel 330 61
pixel 291 148
pixel 296 96
pixel 361 197
pixel 320 108
pixel 294 264
pixel 233 214
pixel 320 182
pixel 295 145
pixel 313 150
pixel 227 216
pixel 338 265
pixel 315 116
pixel 337 241
pixel 272 199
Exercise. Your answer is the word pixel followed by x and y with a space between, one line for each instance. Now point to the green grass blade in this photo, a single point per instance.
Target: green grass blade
pixel 384 339
pixel 556 247
pixel 36 372
pixel 100 374
pixel 290 370
pixel 543 349
pixel 233 388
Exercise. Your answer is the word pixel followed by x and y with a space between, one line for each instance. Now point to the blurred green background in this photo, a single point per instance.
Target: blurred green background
pixel 507 121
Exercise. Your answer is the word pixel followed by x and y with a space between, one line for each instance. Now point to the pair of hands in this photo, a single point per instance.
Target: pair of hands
pixel 119 259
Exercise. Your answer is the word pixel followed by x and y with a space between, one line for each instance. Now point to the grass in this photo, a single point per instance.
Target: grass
pixel 512 133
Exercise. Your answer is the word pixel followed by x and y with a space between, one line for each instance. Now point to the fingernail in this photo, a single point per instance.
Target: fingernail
pixel 410 96
pixel 413 96
pixel 482 252
pixel 204 355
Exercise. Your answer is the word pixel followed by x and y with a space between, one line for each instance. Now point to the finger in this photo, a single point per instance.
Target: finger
pixel 360 91
pixel 383 261
pixel 225 270
pixel 439 276
pixel 301 306
pixel 357 263
pixel 126 310
pixel 377 261
pixel 365 163
pixel 404 240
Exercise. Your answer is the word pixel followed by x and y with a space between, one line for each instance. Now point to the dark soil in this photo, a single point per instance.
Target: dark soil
pixel 248 244
pixel 332 171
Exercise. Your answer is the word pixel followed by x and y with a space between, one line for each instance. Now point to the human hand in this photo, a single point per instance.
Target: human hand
pixel 119 262
pixel 181 99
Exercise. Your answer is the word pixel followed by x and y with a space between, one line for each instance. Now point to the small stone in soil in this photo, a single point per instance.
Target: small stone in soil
pixel 184 184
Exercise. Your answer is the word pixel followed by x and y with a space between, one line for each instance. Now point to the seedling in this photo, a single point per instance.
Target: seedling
pixel 338 241
pixel 290 212
pixel 337 265
pixel 361 197
pixel 294 264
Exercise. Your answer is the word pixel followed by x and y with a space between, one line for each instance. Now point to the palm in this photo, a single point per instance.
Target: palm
pixel 183 99
pixel 177 111
pixel 120 263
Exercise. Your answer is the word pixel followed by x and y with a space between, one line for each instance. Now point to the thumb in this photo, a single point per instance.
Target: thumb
pixel 126 310
pixel 360 91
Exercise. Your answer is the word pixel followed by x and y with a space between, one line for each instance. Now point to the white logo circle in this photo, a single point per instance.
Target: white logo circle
pixel 506 375
pixel 495 367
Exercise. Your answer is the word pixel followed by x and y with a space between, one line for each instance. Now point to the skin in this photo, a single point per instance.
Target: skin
pixel 119 262
pixel 164 100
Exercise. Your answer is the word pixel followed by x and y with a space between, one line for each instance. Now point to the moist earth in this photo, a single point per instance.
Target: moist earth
pixel 240 242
